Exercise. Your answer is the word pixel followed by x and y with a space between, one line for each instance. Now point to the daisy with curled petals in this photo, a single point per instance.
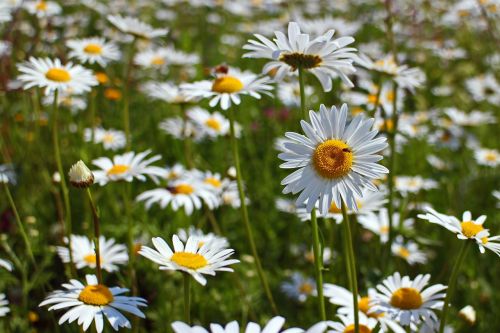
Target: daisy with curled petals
pixel 135 27
pixel 92 302
pixel 408 301
pixel 227 87
pixel 408 251
pixel 343 298
pixel 190 258
pixel 324 57
pixel 346 324
pixel 52 75
pixel 93 50
pixel 335 159
pixel 127 167
pixel 4 309
pixel 83 250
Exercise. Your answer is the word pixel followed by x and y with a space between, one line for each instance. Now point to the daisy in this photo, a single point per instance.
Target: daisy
pixel 92 302
pixel 111 139
pixel 202 237
pixel 127 167
pixel 473 118
pixel 4 309
pixel 289 93
pixel 409 302
pixel 335 160
pixel 153 58
pixel 6 264
pixel 379 223
pixel 181 129
pixel 230 196
pixel 93 50
pixel 213 180
pixel 484 88
pixel 414 184
pixel 136 28
pixel 346 324
pixel 212 124
pixel 323 57
pixel 299 288
pixel 42 8
pixel 227 87
pixel 190 258
pixel 165 91
pixel 83 251
pixel 52 75
pixel 343 298
pixel 189 193
pixel 487 157
pixel 408 251
pixel 67 99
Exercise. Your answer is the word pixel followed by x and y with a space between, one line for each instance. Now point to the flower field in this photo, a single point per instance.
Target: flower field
pixel 204 166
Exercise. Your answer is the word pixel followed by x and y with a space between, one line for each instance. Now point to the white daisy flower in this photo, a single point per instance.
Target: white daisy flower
pixel 230 196
pixel 6 264
pixel 409 302
pixel 4 309
pixel 346 324
pixel 67 99
pixel 342 297
pixel 335 160
pixel 414 184
pixel 188 192
pixel 484 88
pixel 127 167
pixel 52 75
pixel 487 157
pixel 92 302
pixel 227 87
pixel 299 288
pixel 202 237
pixel 165 91
pixel 379 223
pixel 473 118
pixel 83 251
pixel 408 251
pixel 42 8
pixel 289 93
pixel 135 27
pixel 212 124
pixel 93 50
pixel 323 57
pixel 213 180
pixel 190 258
pixel 152 58
pixel 181 129
pixel 111 139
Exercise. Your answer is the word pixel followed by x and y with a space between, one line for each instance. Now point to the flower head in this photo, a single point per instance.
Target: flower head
pixel 80 175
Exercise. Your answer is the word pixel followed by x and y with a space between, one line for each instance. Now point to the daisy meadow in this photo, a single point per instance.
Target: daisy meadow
pixel 190 257
pixel 111 254
pixel 227 87
pixel 324 57
pixel 408 301
pixel 133 26
pixel 52 75
pixel 93 50
pixel 93 302
pixel 336 159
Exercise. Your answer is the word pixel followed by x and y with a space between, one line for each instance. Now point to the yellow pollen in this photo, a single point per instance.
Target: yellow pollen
pixel 491 157
pixel 213 181
pixel 158 61
pixel 98 295
pixel 470 229
pixel 484 240
pixel 189 260
pixel 183 189
pixel 306 288
pixel 364 306
pixel 407 299
pixel 332 159
pixel 362 329
pixel 372 99
pixel 58 75
pixel 403 252
pixel 296 60
pixel 213 124
pixel 41 6
pixel 94 49
pixel 390 96
pixel 90 259
pixel 227 84
pixel 118 169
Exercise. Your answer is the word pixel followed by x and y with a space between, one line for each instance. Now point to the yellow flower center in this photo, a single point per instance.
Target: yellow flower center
pixel 484 240
pixel 306 288
pixel 406 299
pixel 332 159
pixel 108 138
pixel 98 295
pixel 227 84
pixel 58 75
pixel 183 189
pixel 213 181
pixel 189 260
pixel 213 124
pixel 296 60
pixel 384 229
pixel 334 209
pixel 94 49
pixel 158 61
pixel 470 229
pixel 41 6
pixel 403 252
pixel 90 259
pixel 118 169
pixel 364 306
pixel 372 98
pixel 362 329
pixel 490 157
pixel 390 96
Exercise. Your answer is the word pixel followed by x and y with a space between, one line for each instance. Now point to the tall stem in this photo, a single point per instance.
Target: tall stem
pixel 187 298
pixel 452 282
pixel 244 213
pixel 64 187
pixel 302 93
pixel 97 236
pixel 126 99
pixel 352 265
pixel 392 163
pixel 318 265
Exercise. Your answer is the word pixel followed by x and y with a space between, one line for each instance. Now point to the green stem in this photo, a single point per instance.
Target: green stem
pixel 302 93
pixel 187 298
pixel 452 282
pixel 97 235
pixel 126 99
pixel 352 265
pixel 20 224
pixel 64 187
pixel 392 164
pixel 318 265
pixel 244 213
pixel 130 238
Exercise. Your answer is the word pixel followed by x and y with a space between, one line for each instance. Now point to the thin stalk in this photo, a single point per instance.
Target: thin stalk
pixel 452 283
pixel 126 99
pixel 20 224
pixel 318 265
pixel 130 238
pixel 187 298
pixel 64 187
pixel 392 163
pixel 244 213
pixel 302 93
pixel 97 235
pixel 352 264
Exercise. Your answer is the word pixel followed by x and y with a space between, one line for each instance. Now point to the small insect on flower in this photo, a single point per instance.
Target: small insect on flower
pixel 191 258
pixel 92 302
pixel 80 175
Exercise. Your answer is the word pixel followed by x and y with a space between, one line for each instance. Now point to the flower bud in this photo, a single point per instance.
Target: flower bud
pixel 80 175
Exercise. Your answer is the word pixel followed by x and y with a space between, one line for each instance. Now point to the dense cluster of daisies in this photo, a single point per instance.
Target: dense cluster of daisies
pixel 339 160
